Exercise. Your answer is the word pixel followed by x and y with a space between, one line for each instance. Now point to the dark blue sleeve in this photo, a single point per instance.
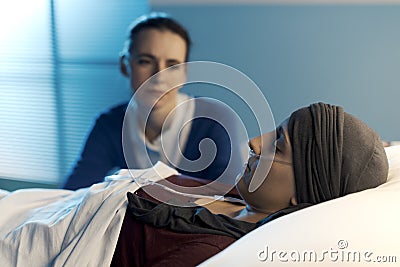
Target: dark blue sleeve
pixel 101 154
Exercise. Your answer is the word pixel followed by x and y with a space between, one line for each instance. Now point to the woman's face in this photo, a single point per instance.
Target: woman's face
pixel 277 191
pixel 155 50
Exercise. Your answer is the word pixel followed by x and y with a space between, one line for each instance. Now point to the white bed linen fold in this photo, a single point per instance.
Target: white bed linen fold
pixel 47 227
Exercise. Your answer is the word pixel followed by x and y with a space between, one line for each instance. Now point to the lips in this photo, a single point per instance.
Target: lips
pixel 156 92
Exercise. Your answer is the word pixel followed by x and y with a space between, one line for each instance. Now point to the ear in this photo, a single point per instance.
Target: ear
pixel 293 201
pixel 123 66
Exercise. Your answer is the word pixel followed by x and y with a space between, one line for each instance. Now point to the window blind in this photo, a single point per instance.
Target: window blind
pixel 59 70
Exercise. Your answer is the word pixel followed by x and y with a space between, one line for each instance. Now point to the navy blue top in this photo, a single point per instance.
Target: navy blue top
pixel 103 150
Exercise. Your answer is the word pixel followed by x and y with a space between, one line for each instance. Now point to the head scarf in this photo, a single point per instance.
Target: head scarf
pixel 334 154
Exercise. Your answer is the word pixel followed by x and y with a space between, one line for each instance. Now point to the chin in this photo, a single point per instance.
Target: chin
pixel 242 188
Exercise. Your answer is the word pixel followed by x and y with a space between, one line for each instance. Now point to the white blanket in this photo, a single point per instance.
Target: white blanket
pixel 40 227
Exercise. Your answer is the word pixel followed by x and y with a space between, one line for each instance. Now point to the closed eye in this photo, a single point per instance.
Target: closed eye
pixel 144 61
pixel 174 65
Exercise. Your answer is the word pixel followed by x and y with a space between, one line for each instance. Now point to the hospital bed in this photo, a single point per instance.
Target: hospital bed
pixel 47 227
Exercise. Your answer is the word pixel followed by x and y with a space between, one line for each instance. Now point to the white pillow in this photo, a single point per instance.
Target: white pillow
pixel 355 230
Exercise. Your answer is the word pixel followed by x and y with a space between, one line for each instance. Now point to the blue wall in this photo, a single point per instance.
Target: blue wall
pixel 345 55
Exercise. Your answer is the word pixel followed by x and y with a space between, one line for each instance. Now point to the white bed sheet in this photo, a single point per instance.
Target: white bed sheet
pixel 3 193
pixel 47 227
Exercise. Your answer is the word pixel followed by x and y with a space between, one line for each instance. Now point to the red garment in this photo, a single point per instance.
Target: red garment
pixel 144 245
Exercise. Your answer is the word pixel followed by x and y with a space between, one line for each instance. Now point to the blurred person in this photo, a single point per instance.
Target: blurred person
pixel 162 123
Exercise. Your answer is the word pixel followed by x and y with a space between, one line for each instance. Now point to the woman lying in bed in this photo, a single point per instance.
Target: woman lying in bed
pixel 318 154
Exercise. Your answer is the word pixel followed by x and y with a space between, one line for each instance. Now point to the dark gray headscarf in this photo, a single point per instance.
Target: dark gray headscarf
pixel 334 154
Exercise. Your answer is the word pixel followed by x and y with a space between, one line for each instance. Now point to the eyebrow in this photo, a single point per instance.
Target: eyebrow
pixel 145 55
pixel 153 57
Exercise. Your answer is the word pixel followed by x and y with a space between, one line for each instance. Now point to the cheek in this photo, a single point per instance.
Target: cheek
pixel 180 79
pixel 274 193
pixel 253 199
pixel 173 77
pixel 281 188
pixel 138 77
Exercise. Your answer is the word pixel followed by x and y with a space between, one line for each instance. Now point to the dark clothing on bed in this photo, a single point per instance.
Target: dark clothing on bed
pixel 142 245
pixel 195 220
pixel 158 234
pixel 192 220
pixel 103 150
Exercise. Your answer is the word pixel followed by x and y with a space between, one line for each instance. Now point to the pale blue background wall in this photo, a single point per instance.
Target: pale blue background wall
pixel 342 54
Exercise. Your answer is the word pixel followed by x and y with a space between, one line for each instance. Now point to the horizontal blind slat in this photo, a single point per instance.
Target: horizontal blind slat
pixel 83 77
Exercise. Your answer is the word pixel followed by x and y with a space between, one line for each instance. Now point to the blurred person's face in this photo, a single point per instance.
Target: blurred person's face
pixel 153 51
pixel 278 190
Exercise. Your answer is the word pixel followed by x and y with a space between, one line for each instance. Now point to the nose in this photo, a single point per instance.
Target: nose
pixel 262 142
pixel 159 66
pixel 158 72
